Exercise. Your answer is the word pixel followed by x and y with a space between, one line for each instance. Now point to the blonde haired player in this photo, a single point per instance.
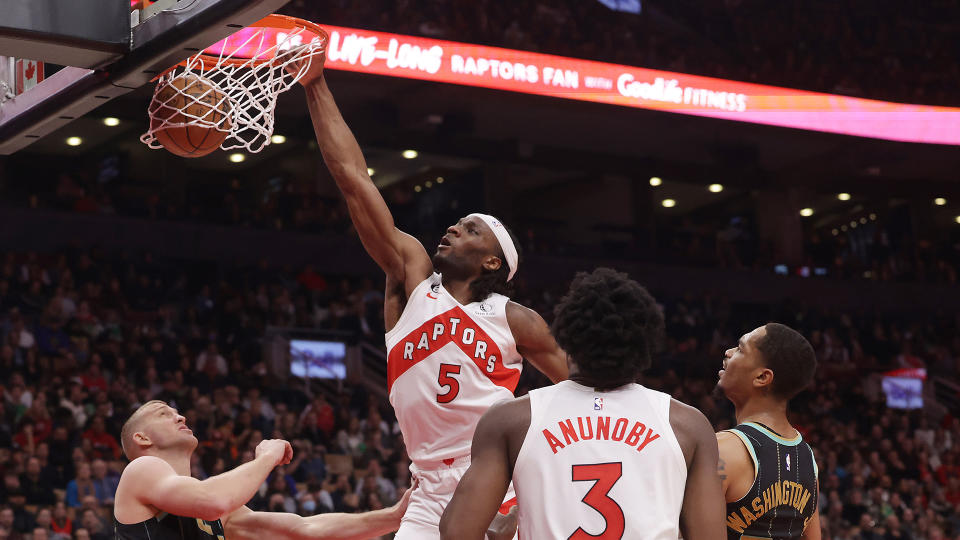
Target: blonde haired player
pixel 157 499
pixel 455 341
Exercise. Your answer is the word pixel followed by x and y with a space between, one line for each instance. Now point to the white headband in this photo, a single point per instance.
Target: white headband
pixel 506 243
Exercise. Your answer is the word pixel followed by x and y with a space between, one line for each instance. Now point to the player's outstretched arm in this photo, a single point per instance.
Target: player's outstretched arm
pixel 536 343
pixel 481 490
pixel 702 513
pixel 245 524
pixel 149 481
pixel 400 255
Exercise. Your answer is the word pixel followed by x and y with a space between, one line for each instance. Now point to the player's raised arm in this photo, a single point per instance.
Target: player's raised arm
pixel 245 524
pixel 536 343
pixel 401 256
pixel 149 481
pixel 702 513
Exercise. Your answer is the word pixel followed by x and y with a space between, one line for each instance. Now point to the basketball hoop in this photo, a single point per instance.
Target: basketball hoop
pixel 250 69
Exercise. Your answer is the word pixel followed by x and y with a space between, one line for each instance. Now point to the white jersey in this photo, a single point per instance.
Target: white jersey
pixel 599 465
pixel 447 364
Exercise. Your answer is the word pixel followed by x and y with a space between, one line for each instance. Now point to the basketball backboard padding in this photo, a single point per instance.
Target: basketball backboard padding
pixel 159 43
pixel 81 33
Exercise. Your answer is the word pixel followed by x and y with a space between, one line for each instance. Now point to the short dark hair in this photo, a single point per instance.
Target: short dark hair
pixel 610 326
pixel 791 358
pixel 495 281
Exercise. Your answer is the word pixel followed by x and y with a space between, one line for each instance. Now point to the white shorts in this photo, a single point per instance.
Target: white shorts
pixel 437 485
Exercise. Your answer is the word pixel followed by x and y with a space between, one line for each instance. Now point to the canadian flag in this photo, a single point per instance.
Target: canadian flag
pixel 29 74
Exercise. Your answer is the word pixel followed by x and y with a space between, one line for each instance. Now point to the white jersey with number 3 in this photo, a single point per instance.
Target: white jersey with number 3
pixel 599 465
pixel 447 364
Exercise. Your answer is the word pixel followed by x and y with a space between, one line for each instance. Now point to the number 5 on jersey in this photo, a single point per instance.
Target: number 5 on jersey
pixel 445 380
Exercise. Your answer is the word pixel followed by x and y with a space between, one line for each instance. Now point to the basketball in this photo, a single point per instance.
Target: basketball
pixel 186 99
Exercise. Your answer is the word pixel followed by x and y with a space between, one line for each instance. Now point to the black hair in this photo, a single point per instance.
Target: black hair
pixel 791 358
pixel 495 281
pixel 610 326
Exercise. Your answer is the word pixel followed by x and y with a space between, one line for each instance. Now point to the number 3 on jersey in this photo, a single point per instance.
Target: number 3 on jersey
pixel 604 476
pixel 445 380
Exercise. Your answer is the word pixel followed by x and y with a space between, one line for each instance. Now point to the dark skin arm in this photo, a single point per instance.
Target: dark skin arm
pixel 536 343
pixel 702 514
pixel 496 443
pixel 400 255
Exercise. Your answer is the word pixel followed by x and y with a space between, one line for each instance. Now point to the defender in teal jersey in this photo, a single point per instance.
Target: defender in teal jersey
pixel 769 473
pixel 157 499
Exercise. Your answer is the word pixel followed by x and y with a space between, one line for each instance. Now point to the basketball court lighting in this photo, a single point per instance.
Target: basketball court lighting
pixel 668 203
pixel 806 212
pixel 111 121
pixel 74 141
pixel 863 221
pixel 439 179
pixel 237 157
pixel 410 154
pixel 843 228
pixel 429 184
pixel 843 196
pixel 939 201
pixel 873 217
pixel 371 171
pixel 655 181
pixel 853 224
pixel 835 232
pixel 715 188
pixel 957 219
pixel 417 188
pixel 278 139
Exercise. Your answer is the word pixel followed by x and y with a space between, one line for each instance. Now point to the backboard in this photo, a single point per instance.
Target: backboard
pixel 160 35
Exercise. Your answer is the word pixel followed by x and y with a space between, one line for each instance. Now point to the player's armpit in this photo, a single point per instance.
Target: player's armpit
pixel 536 343
pixel 737 472
pixel 481 490
pixel 702 513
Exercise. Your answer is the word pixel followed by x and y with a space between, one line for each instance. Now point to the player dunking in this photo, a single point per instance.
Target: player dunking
pixel 769 473
pixel 455 342
pixel 157 499
pixel 597 456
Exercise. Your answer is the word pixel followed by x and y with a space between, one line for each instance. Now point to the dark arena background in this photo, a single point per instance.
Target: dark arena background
pixel 745 161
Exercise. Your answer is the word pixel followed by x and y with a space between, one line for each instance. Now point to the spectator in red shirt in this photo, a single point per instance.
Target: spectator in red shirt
pixel 93 379
pixel 105 445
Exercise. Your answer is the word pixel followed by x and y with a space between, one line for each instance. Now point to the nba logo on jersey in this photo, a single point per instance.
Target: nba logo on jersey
pixel 598 403
pixel 788 462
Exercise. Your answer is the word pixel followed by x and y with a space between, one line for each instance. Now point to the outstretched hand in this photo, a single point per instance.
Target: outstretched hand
pixel 400 508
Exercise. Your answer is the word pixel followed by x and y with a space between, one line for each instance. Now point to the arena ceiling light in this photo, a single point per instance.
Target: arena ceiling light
pixel 237 157
pixel 939 201
pixel 417 188
pixel 74 141
pixel 410 154
pixel 806 212
pixel 371 171
pixel 957 219
pixel 111 121
pixel 440 180
pixel 655 181
pixel 873 217
pixel 668 203
pixel 278 139
pixel 843 196
pixel 715 188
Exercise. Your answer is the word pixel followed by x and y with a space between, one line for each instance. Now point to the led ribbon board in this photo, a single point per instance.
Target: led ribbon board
pixel 396 55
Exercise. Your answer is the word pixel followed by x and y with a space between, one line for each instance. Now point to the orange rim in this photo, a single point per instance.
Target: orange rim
pixel 279 22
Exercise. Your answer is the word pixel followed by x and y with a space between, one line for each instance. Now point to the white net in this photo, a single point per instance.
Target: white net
pixel 231 94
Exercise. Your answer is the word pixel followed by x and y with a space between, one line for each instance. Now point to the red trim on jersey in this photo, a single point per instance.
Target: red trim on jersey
pixel 505 507
pixel 397 365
